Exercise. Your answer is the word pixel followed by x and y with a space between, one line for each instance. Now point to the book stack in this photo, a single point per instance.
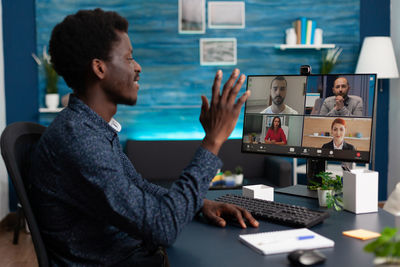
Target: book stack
pixel 305 30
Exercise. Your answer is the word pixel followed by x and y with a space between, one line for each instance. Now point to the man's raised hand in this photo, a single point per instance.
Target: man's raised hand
pixel 219 118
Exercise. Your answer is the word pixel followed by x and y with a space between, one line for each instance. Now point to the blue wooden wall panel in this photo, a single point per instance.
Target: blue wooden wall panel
pixel 173 80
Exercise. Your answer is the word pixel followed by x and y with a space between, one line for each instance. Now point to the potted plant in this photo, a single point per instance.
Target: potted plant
pixel 329 60
pixel 386 248
pixel 253 137
pixel 229 178
pixel 52 98
pixel 238 175
pixel 329 190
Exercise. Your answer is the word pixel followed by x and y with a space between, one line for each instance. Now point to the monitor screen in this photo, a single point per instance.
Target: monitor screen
pixel 317 116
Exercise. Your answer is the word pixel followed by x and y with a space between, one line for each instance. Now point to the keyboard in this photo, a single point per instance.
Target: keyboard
pixel 286 214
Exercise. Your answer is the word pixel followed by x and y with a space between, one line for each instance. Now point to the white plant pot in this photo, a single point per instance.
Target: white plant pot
pixel 229 180
pixel 239 179
pixel 52 101
pixel 386 262
pixel 322 196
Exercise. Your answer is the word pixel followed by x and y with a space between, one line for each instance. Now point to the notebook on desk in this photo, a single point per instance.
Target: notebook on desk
pixel 285 241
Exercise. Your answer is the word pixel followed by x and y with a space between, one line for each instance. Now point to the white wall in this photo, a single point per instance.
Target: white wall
pixel 394 104
pixel 3 173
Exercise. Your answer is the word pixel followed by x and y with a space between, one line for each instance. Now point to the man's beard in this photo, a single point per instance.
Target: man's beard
pixel 278 100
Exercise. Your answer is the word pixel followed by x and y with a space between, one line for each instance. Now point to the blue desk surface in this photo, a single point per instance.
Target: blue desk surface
pixel 201 244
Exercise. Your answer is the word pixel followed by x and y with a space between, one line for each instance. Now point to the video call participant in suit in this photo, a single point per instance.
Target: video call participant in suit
pixel 338 131
pixel 92 206
pixel 342 104
pixel 278 90
pixel 275 134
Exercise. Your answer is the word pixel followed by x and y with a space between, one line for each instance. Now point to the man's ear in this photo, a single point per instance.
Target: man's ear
pixel 99 68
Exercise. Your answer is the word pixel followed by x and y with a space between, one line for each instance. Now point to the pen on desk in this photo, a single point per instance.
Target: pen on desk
pixel 305 237
pixel 345 167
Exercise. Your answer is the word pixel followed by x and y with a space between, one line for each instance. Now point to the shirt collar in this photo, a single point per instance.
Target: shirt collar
pixel 338 147
pixel 86 113
pixel 115 125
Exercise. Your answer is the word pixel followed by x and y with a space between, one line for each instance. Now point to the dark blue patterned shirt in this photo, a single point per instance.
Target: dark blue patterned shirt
pixel 92 207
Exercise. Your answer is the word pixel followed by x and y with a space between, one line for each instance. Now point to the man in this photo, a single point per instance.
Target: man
pixel 92 207
pixel 342 104
pixel 278 91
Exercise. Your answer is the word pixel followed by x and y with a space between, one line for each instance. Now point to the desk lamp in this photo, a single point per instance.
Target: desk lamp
pixel 377 56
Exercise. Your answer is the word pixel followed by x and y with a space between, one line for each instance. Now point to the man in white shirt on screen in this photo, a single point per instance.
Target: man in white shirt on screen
pixel 278 91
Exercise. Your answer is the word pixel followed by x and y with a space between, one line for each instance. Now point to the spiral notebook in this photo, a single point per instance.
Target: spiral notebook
pixel 285 241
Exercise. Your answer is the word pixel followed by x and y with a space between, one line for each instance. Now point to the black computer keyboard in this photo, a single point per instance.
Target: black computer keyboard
pixel 290 215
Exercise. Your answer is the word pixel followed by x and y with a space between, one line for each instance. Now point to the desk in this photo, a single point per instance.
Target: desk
pixel 201 244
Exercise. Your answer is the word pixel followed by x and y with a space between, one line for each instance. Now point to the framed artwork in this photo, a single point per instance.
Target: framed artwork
pixel 218 51
pixel 226 15
pixel 192 16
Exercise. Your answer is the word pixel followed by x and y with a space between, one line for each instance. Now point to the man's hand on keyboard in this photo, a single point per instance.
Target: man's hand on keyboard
pixel 217 212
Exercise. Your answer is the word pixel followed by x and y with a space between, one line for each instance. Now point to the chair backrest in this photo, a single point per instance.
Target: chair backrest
pixel 285 130
pixel 17 143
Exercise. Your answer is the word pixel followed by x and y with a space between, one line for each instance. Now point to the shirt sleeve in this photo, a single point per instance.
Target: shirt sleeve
pixel 283 136
pixel 342 112
pixel 324 108
pixel 148 186
pixel 268 135
pixel 102 187
pixel 358 111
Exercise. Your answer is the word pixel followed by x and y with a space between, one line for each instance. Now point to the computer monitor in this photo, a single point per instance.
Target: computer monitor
pixel 318 117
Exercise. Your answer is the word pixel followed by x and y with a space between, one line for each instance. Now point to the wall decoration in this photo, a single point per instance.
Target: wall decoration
pixel 172 79
pixel 192 16
pixel 226 15
pixel 218 51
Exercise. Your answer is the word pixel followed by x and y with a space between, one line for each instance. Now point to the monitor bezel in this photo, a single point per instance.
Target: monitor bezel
pixel 297 155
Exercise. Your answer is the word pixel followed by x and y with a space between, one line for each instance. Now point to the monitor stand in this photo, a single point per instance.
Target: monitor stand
pixel 314 166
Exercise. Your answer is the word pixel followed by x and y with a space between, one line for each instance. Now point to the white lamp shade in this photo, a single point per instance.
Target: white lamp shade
pixel 377 56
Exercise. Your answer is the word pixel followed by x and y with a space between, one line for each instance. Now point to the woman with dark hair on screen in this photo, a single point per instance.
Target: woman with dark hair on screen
pixel 275 134
pixel 338 131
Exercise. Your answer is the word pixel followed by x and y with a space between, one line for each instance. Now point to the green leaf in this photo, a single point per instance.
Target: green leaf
pixel 330 202
pixel 389 232
pixel 396 252
pixel 328 182
pixel 386 245
pixel 385 250
pixel 372 246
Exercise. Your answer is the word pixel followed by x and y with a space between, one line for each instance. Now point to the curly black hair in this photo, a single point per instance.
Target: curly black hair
pixel 79 39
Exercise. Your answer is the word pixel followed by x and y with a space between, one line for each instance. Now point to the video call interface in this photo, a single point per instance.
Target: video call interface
pixel 319 116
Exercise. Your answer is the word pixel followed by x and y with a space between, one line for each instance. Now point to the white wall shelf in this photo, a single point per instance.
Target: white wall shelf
pixel 48 110
pixel 304 46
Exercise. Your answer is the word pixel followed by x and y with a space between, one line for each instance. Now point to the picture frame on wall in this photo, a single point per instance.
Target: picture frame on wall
pixel 218 51
pixel 226 15
pixel 192 17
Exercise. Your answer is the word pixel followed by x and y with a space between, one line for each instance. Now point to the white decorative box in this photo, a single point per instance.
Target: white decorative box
pixel 360 191
pixel 259 191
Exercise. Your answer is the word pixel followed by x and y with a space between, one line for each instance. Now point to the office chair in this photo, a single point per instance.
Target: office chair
pixel 17 143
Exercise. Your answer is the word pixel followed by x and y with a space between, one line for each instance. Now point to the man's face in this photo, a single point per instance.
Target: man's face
pixel 122 76
pixel 278 91
pixel 341 87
